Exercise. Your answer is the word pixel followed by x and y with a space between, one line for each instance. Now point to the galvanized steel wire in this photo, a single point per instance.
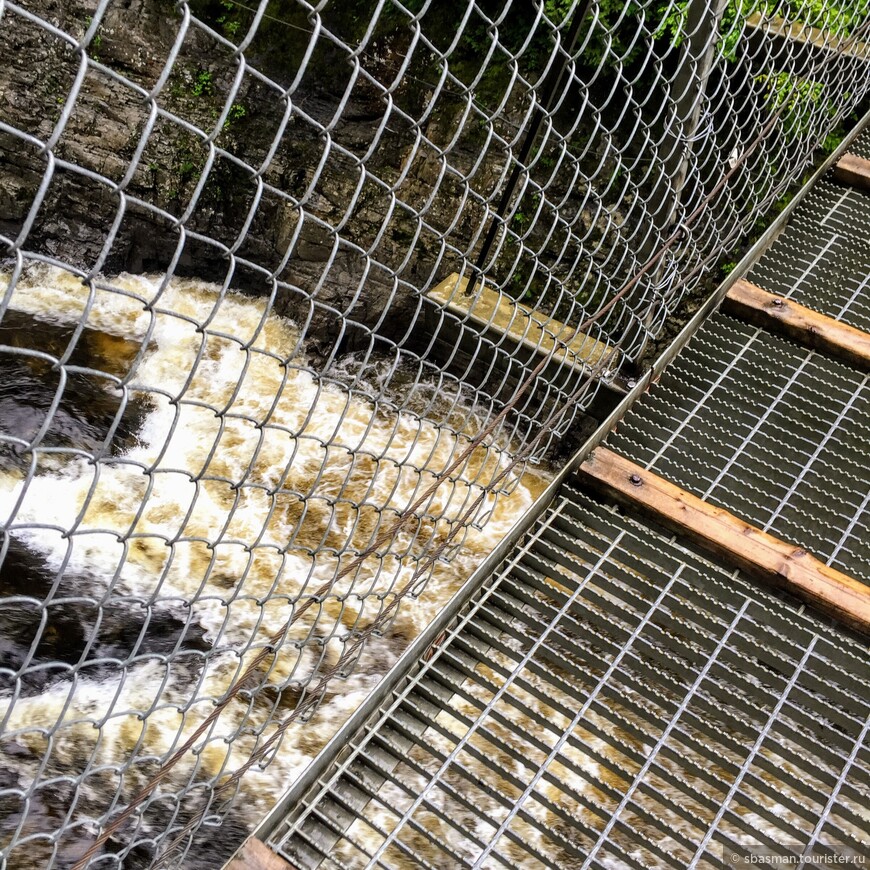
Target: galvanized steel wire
pixel 590 162
pixel 608 699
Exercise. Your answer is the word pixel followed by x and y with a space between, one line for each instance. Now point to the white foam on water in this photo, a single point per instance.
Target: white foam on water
pixel 250 486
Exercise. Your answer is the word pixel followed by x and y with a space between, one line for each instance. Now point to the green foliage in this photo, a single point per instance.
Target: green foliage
pixel 202 84
pixel 614 39
pixel 236 113
pixel 666 21
pixel 557 10
pixel 228 20
pixel 186 168
pixel 672 22
pixel 97 40
pixel 832 141
pixel 802 102
pixel 731 26
pixel 839 18
pixel 608 38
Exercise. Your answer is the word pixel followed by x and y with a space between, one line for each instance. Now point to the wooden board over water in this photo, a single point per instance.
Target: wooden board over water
pixel 525 326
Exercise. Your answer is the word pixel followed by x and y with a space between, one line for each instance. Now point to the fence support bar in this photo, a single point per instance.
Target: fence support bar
pixel 698 51
pixel 703 20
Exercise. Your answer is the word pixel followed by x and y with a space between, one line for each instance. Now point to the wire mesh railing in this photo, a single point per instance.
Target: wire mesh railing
pixel 239 424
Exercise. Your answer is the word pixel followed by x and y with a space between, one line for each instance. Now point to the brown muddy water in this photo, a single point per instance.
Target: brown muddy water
pixel 228 485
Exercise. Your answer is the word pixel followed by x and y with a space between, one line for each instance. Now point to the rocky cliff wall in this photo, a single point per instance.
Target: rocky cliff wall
pixel 350 197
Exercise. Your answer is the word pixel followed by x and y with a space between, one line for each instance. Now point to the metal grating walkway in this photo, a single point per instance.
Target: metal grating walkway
pixel 610 700
pixel 822 259
pixel 772 432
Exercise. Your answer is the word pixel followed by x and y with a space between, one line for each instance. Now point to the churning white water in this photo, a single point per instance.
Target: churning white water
pixel 247 484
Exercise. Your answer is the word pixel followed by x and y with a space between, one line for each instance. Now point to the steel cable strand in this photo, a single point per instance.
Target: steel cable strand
pixel 315 695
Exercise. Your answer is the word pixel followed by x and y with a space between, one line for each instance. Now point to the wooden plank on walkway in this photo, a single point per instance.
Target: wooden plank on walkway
pixel 801 324
pixel 759 554
pixel 256 855
pixel 854 170
pixel 493 310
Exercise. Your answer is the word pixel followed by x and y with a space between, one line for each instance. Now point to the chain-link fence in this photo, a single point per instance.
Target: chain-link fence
pixel 292 294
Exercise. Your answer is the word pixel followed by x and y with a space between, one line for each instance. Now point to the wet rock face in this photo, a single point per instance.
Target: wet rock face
pixel 100 135
pixel 280 211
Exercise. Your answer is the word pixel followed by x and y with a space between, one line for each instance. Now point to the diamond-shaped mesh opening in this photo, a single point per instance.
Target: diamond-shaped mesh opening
pixel 293 292
pixel 104 145
pixel 202 78
pixel 77 208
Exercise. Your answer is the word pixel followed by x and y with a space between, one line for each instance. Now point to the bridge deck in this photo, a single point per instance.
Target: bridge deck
pixel 611 697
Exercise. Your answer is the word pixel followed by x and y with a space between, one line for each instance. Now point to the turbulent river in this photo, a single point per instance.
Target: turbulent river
pixel 231 484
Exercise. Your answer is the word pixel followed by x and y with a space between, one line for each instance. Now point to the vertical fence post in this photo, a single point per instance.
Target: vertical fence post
pixel 549 90
pixel 703 20
pixel 698 53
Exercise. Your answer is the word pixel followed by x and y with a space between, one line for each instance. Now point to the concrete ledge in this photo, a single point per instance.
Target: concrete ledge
pixel 492 310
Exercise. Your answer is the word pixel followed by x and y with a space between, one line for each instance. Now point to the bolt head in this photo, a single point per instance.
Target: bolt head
pixel 635 480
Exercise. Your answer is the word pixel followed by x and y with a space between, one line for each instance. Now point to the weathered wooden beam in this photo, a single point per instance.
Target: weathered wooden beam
pixel 803 325
pixel 853 170
pixel 810 38
pixel 523 325
pixel 256 855
pixel 738 543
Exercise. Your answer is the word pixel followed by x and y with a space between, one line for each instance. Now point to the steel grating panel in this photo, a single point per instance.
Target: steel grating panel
pixel 822 258
pixel 772 432
pixel 861 147
pixel 609 700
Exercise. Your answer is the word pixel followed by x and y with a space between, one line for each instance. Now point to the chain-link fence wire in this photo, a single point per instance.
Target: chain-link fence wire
pixel 238 428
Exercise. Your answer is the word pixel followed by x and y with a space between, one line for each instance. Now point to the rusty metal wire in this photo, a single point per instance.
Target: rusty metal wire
pixel 238 426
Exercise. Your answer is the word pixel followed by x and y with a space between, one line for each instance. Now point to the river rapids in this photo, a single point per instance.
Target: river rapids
pixel 230 484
